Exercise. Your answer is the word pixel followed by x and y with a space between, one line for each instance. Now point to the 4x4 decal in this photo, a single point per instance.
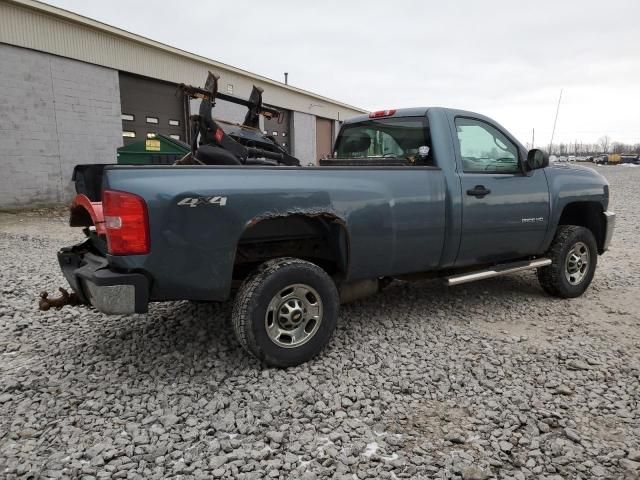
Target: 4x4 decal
pixel 196 201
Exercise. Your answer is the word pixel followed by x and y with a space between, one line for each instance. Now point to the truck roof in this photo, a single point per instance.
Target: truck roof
pixel 400 112
pixel 420 111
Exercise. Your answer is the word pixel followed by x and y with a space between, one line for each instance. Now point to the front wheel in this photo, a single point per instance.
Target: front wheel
pixel 574 255
pixel 286 311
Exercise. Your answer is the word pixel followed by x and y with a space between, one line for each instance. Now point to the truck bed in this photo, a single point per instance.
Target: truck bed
pixel 199 214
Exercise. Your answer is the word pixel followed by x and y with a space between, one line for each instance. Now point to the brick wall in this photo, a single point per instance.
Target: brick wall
pixel 54 114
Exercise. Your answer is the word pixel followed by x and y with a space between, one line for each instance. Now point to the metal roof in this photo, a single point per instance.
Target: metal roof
pixel 39 26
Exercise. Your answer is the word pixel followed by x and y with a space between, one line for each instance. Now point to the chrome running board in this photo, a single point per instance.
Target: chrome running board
pixel 496 271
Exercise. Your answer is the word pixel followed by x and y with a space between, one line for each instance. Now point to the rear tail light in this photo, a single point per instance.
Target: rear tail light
pixel 126 222
pixel 382 113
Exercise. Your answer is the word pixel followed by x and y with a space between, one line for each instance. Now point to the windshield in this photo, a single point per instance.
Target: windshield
pixel 385 137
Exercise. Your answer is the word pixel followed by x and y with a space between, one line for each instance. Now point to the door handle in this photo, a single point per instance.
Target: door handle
pixel 478 191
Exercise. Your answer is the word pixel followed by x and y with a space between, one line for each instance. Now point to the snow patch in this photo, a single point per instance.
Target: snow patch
pixel 371 449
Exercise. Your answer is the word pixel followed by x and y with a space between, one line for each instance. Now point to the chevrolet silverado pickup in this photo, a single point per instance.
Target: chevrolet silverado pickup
pixel 409 193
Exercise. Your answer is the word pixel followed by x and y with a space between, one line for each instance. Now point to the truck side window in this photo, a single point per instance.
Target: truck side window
pixel 484 149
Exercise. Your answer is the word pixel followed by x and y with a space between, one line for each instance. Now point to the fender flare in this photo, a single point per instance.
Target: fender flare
pixel 82 206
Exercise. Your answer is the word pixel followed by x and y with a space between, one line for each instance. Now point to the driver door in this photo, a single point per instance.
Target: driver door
pixel 505 213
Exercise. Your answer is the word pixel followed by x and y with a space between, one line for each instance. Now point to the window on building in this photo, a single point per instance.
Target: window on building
pixel 175 137
pixel 128 117
pixel 151 135
pixel 284 134
pixel 152 120
pixel 129 134
pixel 174 123
pixel 229 89
pixel 275 134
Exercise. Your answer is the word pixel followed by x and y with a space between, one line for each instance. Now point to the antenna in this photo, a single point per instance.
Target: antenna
pixel 533 138
pixel 554 122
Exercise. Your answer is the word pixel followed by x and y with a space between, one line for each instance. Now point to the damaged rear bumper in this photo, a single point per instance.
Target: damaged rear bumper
pixel 96 284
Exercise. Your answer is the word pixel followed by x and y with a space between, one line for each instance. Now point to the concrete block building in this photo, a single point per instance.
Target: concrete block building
pixel 73 90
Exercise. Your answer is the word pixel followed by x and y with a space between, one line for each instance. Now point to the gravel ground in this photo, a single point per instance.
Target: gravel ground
pixel 489 380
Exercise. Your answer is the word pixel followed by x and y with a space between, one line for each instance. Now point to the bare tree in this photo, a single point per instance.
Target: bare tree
pixel 619 147
pixel 604 142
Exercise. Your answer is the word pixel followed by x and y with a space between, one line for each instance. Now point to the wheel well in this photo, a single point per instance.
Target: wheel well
pixel 319 238
pixel 588 215
pixel 80 217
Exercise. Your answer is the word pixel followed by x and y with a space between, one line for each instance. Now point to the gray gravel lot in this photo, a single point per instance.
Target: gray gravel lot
pixel 489 380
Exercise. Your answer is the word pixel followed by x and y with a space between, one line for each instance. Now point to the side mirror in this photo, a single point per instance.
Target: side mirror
pixel 537 159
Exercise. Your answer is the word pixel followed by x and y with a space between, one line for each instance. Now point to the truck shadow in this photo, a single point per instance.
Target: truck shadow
pixel 431 296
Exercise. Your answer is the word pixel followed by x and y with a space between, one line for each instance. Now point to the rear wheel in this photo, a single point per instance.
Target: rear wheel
pixel 574 255
pixel 286 311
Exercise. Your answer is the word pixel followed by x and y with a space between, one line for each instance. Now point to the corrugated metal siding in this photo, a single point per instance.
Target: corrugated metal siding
pixel 29 28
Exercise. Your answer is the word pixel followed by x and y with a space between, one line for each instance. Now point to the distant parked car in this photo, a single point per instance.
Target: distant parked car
pixel 602 160
pixel 588 159
pixel 562 158
pixel 553 159
pixel 572 158
pixel 630 158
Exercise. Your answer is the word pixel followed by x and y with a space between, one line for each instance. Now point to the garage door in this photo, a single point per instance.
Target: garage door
pixel 150 107
pixel 279 129
pixel 324 139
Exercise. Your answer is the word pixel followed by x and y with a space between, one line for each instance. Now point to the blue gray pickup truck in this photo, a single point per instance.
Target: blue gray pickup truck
pixel 410 193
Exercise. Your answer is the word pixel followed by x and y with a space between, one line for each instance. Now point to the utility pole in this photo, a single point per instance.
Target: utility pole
pixel 554 121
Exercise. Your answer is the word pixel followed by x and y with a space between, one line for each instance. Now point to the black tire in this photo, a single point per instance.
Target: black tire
pixel 212 155
pixel 553 278
pixel 255 297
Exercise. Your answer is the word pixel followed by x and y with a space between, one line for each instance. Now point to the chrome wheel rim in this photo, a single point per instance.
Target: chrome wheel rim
pixel 577 263
pixel 293 316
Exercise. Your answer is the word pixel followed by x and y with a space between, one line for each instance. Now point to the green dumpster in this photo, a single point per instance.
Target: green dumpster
pixel 159 150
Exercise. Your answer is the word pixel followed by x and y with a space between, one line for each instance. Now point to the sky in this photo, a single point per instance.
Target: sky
pixel 505 59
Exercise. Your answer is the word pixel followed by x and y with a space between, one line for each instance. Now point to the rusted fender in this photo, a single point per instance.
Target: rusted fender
pixel 94 209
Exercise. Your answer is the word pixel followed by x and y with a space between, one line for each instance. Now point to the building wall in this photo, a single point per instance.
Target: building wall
pixel 45 28
pixel 54 114
pixel 303 131
pixel 60 99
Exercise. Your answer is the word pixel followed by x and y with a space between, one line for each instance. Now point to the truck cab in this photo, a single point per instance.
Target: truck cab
pixel 497 206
